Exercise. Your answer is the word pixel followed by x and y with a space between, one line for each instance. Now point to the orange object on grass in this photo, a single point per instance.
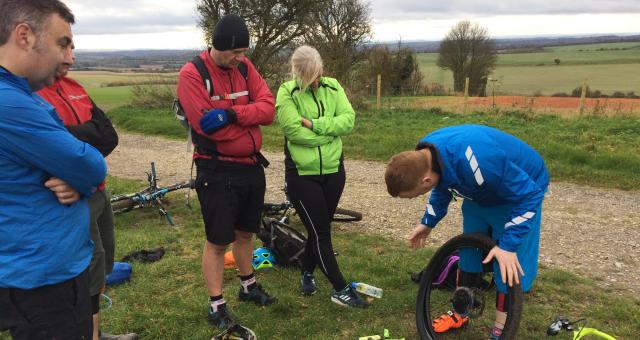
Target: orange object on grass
pixel 449 321
pixel 229 260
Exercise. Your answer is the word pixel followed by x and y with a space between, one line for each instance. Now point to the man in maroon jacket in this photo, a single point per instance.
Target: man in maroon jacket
pixel 88 123
pixel 230 178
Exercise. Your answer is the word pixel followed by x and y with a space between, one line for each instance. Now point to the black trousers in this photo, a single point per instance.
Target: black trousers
pixel 315 199
pixel 60 311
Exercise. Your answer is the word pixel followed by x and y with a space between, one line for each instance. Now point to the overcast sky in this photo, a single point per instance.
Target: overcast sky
pixel 171 24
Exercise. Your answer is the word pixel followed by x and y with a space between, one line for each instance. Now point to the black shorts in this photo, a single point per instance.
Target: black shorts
pixel 58 311
pixel 231 198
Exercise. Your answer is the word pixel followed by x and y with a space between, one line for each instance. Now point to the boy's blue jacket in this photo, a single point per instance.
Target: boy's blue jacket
pixel 42 242
pixel 491 168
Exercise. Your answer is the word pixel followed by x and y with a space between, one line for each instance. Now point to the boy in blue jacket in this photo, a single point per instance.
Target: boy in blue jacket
pixel 502 181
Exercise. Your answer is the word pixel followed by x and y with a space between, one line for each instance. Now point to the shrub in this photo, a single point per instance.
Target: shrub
pixel 618 94
pixel 560 94
pixel 153 96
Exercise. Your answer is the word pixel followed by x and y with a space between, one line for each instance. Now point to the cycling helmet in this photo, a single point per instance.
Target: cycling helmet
pixel 263 258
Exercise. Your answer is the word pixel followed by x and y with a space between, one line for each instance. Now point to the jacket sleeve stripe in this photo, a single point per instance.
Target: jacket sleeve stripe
pixel 520 219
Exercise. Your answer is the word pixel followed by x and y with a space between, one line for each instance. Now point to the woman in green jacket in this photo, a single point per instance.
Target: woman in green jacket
pixel 313 112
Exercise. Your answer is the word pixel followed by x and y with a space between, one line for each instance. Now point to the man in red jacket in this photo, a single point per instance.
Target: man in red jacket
pixel 88 123
pixel 230 178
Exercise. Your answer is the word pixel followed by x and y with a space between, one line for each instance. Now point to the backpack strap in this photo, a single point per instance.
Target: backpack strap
pixel 208 81
pixel 204 74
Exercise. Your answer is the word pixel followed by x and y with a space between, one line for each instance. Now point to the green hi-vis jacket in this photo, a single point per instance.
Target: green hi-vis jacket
pixel 317 151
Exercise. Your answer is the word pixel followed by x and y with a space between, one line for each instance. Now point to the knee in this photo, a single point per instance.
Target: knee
pixel 243 237
pixel 215 249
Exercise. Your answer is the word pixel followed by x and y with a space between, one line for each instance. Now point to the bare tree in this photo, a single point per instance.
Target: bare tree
pixel 468 51
pixel 274 26
pixel 339 31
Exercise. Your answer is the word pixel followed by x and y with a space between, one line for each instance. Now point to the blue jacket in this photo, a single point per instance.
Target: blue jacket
pixel 491 168
pixel 42 242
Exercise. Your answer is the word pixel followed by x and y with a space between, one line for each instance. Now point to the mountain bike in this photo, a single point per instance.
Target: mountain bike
pixel 283 209
pixel 476 302
pixel 561 323
pixel 150 196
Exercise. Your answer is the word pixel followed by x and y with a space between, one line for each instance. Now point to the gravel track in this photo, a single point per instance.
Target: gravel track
pixel 590 231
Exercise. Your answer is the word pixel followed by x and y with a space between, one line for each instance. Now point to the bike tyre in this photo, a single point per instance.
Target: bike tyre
pixel 122 204
pixel 345 215
pixel 423 319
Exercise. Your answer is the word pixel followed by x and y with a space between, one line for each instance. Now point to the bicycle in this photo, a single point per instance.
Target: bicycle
pixel 150 196
pixel 562 323
pixel 473 301
pixel 282 209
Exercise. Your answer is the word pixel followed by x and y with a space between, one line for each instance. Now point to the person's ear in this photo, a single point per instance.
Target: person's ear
pixel 426 181
pixel 24 36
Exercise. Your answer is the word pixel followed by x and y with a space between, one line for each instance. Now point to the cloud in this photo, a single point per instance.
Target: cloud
pixel 132 16
pixel 394 10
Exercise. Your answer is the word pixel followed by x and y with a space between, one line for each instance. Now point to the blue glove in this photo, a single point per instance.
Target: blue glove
pixel 216 119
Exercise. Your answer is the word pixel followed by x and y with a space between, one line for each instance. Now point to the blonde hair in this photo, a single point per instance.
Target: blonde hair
pixel 404 171
pixel 306 65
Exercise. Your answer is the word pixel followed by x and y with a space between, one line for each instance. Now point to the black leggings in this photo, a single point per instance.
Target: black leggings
pixel 315 199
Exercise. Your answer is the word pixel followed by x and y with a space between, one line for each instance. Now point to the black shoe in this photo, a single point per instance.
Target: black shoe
pixel 257 295
pixel 308 284
pixel 222 318
pixel 348 297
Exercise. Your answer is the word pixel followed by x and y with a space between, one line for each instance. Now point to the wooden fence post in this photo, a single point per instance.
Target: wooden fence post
pixel 378 90
pixel 583 95
pixel 466 93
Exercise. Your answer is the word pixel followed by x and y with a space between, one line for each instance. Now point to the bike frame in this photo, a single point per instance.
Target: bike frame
pixel 152 195
pixel 584 331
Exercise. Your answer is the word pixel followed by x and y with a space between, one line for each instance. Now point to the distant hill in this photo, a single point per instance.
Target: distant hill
pixel 172 60
pixel 507 45
pixel 137 60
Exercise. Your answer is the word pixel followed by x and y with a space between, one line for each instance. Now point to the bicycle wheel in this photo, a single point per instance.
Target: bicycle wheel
pixel 433 302
pixel 122 204
pixel 345 215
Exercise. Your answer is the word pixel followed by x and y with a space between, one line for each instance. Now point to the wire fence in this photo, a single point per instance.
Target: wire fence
pixel 585 99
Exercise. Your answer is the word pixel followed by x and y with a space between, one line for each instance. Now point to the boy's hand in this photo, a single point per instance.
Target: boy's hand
pixel 63 191
pixel 418 236
pixel 509 265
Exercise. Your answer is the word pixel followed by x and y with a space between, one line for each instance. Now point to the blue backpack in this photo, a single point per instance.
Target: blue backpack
pixel 121 273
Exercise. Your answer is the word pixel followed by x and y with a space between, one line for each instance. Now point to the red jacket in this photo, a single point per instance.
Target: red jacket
pixel 70 100
pixel 80 115
pixel 242 139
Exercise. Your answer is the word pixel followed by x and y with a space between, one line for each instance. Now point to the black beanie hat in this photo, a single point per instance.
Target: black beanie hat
pixel 230 33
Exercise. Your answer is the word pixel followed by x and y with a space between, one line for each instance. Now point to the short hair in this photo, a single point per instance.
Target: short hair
pixel 33 12
pixel 306 65
pixel 405 170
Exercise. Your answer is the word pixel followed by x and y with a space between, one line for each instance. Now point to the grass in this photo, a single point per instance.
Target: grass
pixel 167 299
pixel 527 73
pixel 104 78
pixel 592 151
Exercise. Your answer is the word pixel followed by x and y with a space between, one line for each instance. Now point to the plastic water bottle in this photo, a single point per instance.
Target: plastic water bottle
pixel 367 289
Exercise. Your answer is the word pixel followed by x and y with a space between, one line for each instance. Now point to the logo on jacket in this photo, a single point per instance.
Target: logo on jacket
pixel 72 97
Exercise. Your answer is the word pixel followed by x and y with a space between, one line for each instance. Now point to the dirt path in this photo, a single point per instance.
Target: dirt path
pixel 590 231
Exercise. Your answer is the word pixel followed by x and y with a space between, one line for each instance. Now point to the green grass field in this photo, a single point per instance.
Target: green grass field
pixel 528 73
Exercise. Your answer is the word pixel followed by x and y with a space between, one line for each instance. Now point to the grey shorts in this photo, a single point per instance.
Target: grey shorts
pixel 102 235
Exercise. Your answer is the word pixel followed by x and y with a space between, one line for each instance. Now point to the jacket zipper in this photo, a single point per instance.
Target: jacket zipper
pixel 233 102
pixel 319 115
pixel 75 114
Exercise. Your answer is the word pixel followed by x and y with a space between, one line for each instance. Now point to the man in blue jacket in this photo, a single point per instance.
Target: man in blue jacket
pixel 502 181
pixel 45 177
